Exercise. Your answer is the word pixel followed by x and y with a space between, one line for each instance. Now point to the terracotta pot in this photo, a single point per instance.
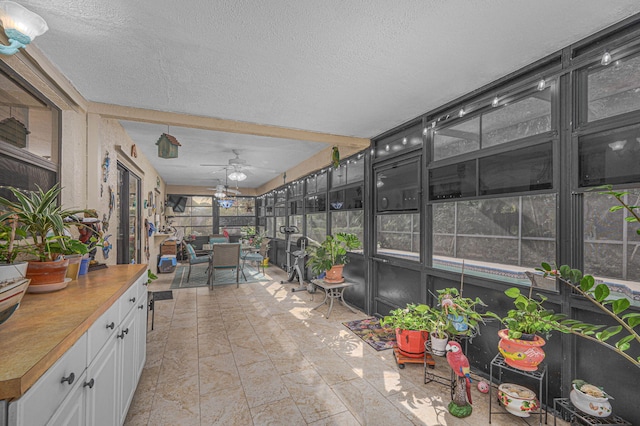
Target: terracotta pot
pixel 521 354
pixel 43 273
pixel 334 275
pixel 411 342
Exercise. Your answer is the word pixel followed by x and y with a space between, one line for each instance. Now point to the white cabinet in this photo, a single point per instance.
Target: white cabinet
pixel 93 382
pixel 102 391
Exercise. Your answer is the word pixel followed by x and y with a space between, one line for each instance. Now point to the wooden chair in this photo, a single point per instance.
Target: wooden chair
pixel 225 255
pixel 194 259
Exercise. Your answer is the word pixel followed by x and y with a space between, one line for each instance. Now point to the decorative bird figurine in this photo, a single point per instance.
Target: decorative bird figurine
pixel 335 157
pixel 459 406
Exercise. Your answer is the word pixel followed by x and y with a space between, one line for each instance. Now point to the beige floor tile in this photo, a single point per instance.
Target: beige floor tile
pixel 213 344
pixel 313 397
pixel 176 403
pixel 278 413
pixel 342 419
pixel 226 406
pixel 178 364
pixel 262 383
pixel 248 351
pixel 367 405
pixel 218 372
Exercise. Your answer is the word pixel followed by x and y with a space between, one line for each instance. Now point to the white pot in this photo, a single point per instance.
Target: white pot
pixel 598 407
pixel 438 345
pixel 517 399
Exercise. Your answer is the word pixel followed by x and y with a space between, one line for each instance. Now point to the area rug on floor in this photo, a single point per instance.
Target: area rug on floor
pixel 223 276
pixel 162 295
pixel 370 331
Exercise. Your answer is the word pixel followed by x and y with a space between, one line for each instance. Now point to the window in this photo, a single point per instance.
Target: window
pixel 351 221
pixel 497 238
pixel 610 157
pixel 240 214
pixel 611 244
pixel 397 210
pixel 399 143
pixel 316 226
pixel 456 139
pixel 197 218
pixel 351 171
pixel 28 138
pixel 612 89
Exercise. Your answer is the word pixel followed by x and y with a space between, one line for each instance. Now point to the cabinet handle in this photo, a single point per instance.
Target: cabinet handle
pixel 121 335
pixel 140 306
pixel 132 300
pixel 126 331
pixel 69 379
pixel 111 325
pixel 90 383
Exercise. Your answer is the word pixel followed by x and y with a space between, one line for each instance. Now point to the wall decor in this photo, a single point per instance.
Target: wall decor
pixel 105 167
pixel 134 151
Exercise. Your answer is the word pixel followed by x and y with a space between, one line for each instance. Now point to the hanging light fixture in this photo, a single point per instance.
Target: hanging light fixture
pixel 226 203
pixel 237 176
pixel 542 84
pixel 20 25
pixel 495 102
pixel 606 58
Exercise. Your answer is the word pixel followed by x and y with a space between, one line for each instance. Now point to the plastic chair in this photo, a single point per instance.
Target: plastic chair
pixel 225 255
pixel 194 259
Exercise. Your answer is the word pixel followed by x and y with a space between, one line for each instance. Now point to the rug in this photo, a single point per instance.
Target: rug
pixel 223 276
pixel 370 331
pixel 162 295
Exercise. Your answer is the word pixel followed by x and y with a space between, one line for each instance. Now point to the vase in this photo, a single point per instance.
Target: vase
pixel 410 343
pixel 521 354
pixel 598 407
pixel 438 345
pixel 47 276
pixel 458 322
pixel 334 275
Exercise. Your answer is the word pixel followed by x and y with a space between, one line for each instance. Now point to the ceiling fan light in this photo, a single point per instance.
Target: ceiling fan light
pixel 220 195
pixel 239 176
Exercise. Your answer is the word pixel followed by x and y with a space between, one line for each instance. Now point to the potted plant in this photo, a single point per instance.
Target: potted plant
pixel 520 345
pixel 439 325
pixel 13 283
pixel 411 324
pixel 46 225
pixel 331 255
pixel 463 318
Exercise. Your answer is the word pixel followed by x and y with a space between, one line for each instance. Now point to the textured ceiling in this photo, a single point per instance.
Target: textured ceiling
pixel 354 68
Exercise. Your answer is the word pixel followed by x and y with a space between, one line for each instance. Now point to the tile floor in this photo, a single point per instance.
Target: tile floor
pixel 258 355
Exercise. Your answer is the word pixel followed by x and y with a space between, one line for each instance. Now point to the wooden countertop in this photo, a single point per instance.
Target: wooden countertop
pixel 46 325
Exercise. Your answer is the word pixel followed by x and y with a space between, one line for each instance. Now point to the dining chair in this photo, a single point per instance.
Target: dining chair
pixel 258 256
pixel 225 256
pixel 195 259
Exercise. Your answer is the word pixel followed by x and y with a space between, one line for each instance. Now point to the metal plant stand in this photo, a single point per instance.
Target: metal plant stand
pixel 565 408
pixel 540 375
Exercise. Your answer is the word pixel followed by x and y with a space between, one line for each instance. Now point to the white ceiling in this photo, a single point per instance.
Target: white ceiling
pixel 353 68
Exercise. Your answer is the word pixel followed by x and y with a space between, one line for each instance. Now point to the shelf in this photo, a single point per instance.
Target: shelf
pixel 568 412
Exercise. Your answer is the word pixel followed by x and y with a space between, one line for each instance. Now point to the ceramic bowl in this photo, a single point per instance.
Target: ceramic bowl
pixel 517 399
pixel 598 407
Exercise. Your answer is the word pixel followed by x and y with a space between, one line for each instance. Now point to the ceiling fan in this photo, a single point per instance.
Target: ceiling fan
pixel 223 191
pixel 238 166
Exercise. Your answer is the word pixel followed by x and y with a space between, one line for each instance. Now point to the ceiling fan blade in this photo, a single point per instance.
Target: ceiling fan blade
pixel 214 165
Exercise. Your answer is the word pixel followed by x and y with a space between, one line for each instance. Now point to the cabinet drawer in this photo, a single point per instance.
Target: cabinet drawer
pixel 39 403
pixel 103 328
pixel 141 285
pixel 128 300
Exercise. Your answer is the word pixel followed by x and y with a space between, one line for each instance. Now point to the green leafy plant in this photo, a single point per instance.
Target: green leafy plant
pixel 42 220
pixel 454 306
pixel 413 317
pixel 598 295
pixel 151 276
pixel 332 251
pixel 528 316
pixel 9 233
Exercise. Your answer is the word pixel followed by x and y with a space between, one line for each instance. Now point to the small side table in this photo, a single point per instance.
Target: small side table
pixel 331 292
pixel 540 375
pixel 566 408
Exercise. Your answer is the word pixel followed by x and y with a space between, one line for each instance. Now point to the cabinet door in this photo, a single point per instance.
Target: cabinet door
pixel 141 334
pixel 72 410
pixel 102 386
pixel 127 354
